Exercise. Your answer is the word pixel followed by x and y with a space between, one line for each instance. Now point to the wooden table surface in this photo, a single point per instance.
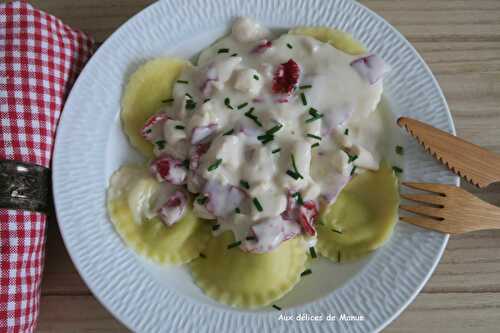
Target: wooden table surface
pixel 460 40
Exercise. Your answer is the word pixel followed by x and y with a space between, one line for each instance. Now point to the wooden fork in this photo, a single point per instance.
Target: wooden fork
pixel 449 209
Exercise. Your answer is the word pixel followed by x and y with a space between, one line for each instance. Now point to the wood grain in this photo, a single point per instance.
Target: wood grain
pixel 460 40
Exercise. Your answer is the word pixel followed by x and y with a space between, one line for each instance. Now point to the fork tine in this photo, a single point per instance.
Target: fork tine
pixel 423 210
pixel 425 222
pixel 424 198
pixel 429 187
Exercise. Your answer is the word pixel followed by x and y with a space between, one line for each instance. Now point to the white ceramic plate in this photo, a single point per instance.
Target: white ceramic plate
pixel 90 146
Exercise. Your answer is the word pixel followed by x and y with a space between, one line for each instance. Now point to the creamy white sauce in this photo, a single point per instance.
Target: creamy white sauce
pixel 228 103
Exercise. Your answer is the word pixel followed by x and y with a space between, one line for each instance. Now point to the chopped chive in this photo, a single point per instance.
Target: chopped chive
pixel 274 129
pixel 292 174
pixel 346 131
pixel 352 158
pixel 306 86
pixel 353 170
pixel 306 272
pixel 249 238
pixel 298 196
pixel 277 150
pixel 149 130
pixel 276 307
pixel 190 104
pixel 231 131
pixel 303 98
pixel 202 255
pixel 312 251
pixel 257 204
pixel 215 165
pixel 256 77
pixel 314 145
pixel 202 200
pixel 168 100
pixel 338 257
pixel 161 144
pixel 399 150
pixel 289 45
pixel 315 115
pixel 206 100
pixel 397 169
pixel 215 227
pixel 222 51
pixel 337 231
pixel 241 106
pixel 227 102
pixel 320 222
pixel 237 210
pixel 182 81
pixel 253 117
pixel 188 95
pixel 234 54
pixel 295 166
pixel 185 163
pixel 234 244
pixel 313 136
pixel 244 184
pixel 179 127
pixel 265 138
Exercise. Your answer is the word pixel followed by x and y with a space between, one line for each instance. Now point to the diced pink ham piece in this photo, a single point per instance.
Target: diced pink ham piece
pixel 195 153
pixel 308 212
pixel 262 46
pixel 153 129
pixel 270 233
pixel 174 208
pixel 166 168
pixel 222 199
pixel 202 133
pixel 371 67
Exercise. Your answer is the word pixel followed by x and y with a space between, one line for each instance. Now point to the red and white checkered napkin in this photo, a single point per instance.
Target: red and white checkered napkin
pixel 40 58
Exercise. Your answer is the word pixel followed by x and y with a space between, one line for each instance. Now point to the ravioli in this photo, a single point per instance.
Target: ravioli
pixel 146 88
pixel 338 39
pixel 248 280
pixel 176 244
pixel 362 218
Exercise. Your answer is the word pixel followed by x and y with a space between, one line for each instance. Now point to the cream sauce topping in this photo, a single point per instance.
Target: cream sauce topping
pixel 252 145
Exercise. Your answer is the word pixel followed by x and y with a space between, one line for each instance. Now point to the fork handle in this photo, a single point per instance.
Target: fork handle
pixel 486 218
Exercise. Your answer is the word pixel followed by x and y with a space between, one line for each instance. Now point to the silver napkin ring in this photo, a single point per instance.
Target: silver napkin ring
pixel 24 186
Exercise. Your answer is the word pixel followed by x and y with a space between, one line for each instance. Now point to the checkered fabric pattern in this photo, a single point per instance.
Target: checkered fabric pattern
pixel 40 58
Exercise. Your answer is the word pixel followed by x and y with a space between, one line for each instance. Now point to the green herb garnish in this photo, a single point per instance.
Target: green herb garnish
pixel 234 244
pixel 202 255
pixel 179 127
pixel 274 129
pixel 315 115
pixel 295 174
pixel 190 104
pixel 306 86
pixel 241 106
pixel 353 170
pixel 182 81
pixel 312 251
pixel 314 145
pixel 306 272
pixel 276 307
pixel 250 238
pixel 250 115
pixel 265 138
pixel 313 136
pixel 227 102
pixel 277 150
pixel 298 196
pixel 397 169
pixel 215 165
pixel 161 144
pixel 215 227
pixel 222 51
pixel 185 163
pixel 352 158
pixel 231 131
pixel 337 231
pixel 346 131
pixel 234 54
pixel 256 77
pixel 257 204
pixel 202 200
pixel 237 210
pixel 399 150
pixel 188 95
pixel 168 100
pixel 289 45
pixel 338 257
pixel 206 100
pixel 303 98
pixel 244 184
